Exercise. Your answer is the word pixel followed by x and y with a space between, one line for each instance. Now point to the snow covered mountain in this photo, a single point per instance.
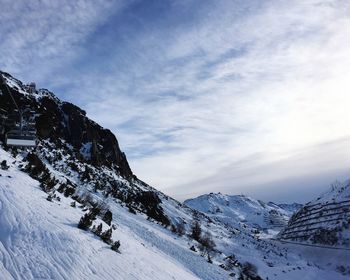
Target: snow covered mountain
pixel 325 220
pixel 72 209
pixel 243 212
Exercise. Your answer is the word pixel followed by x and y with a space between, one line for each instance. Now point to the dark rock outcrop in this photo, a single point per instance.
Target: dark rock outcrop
pixel 56 120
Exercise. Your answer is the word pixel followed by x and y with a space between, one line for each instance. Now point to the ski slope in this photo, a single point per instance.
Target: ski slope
pixel 40 240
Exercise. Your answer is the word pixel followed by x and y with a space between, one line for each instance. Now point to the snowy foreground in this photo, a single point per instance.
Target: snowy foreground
pixel 40 239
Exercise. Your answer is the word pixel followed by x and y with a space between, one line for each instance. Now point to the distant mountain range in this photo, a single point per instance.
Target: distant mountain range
pixel 245 213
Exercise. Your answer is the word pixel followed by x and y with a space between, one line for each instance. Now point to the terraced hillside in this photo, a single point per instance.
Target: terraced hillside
pixel 325 220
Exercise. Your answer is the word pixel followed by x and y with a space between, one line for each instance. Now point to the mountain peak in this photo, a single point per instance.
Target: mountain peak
pixel 63 121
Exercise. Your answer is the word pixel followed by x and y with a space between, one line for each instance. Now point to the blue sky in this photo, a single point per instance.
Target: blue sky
pixel 204 96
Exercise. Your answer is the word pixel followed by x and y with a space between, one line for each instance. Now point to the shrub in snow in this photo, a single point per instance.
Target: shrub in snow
pixel 173 228
pixel 98 230
pixel 196 231
pixel 131 210
pixel 151 203
pixel 68 191
pixel 95 211
pixel 193 248
pixel 4 165
pixel 61 187
pixel 107 217
pixel 73 166
pixel 209 259
pixel 178 229
pixel 107 235
pixel 36 168
pixel 86 221
pixel 86 174
pixel 115 246
pixel 47 183
pixel 249 272
pixel 73 204
pixel 230 262
pixel 207 244
pixel 181 229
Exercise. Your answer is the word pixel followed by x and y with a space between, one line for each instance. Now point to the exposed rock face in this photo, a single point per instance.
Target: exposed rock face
pixel 62 120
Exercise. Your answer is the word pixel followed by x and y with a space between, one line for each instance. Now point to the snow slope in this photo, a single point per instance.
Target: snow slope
pixel 40 240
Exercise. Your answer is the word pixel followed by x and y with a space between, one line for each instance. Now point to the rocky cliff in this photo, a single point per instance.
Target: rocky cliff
pixel 57 120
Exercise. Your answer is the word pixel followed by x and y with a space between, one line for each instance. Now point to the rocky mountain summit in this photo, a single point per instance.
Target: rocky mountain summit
pixel 59 121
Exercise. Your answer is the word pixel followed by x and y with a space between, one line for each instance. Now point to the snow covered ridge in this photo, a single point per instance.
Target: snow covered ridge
pixel 245 213
pixel 325 220
pixel 27 89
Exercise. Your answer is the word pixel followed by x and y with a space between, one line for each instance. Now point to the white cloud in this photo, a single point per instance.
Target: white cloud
pixel 37 37
pixel 257 80
pixel 287 90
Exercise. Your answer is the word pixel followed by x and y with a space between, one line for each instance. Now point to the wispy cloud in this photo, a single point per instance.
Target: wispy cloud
pixel 193 89
pixel 37 37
